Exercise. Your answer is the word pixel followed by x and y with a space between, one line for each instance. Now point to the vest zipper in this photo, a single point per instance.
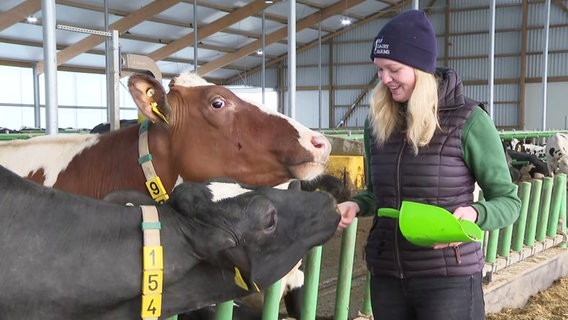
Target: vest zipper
pixel 458 255
pixel 399 202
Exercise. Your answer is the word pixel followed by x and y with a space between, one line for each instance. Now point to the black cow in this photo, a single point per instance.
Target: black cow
pixel 68 257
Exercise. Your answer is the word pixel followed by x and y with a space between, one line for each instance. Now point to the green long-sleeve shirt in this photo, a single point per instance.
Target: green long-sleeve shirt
pixel 484 156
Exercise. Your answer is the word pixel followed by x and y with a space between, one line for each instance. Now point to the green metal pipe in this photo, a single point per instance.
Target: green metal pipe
pixel 544 209
pixel 311 283
pixel 224 310
pixel 533 212
pixel 519 234
pixel 563 215
pixel 271 308
pixel 505 243
pixel 367 310
pixel 559 185
pixel 492 241
pixel 345 273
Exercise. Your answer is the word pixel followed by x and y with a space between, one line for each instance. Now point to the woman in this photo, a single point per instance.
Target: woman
pixel 426 142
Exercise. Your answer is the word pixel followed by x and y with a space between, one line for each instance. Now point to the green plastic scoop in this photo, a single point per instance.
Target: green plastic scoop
pixel 426 225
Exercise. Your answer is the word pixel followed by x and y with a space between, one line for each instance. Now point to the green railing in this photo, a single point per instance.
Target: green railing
pixel 543 206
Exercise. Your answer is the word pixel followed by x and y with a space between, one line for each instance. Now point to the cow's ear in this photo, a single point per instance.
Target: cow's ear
pixel 150 97
pixel 187 196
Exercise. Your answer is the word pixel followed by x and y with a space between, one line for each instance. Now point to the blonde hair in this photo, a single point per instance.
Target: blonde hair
pixel 421 116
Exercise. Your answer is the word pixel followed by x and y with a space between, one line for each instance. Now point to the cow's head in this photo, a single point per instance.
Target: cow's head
pixel 260 231
pixel 214 133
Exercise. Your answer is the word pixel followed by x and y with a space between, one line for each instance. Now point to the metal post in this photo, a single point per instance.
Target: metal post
pixel 195 42
pixel 263 67
pixel 415 4
pixel 272 301
pixel 113 81
pixel 522 220
pixel 311 283
pixel 224 310
pixel 546 198
pixel 559 184
pixel 492 60
pixel 343 290
pixel 320 76
pixel 50 62
pixel 292 58
pixel 492 240
pixel 545 64
pixel 533 212
pixel 37 109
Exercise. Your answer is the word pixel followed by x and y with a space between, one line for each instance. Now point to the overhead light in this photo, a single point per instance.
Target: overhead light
pixel 345 21
pixel 268 1
pixel 259 52
pixel 31 19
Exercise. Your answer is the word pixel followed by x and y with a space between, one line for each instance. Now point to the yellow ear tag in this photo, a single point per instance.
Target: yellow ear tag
pixel 239 279
pixel 156 111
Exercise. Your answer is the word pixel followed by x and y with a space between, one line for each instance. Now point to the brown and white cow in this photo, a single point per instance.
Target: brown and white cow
pixel 199 131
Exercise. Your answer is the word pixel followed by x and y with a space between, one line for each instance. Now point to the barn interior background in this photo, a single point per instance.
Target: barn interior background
pixel 511 54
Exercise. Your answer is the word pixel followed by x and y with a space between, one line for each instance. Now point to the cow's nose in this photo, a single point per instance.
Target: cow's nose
pixel 321 143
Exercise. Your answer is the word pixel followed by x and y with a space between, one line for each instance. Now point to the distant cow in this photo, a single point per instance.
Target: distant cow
pixel 557 153
pixel 537 168
pixel 534 149
pixel 70 257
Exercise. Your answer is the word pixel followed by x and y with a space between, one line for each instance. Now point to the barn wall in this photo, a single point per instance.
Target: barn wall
pixel 351 73
pixel 557 106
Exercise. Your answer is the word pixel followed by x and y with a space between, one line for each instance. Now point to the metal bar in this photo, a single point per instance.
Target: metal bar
pixel 50 62
pixel 84 30
pixel 559 184
pixel 224 310
pixel 292 59
pixel 195 37
pixel 492 241
pixel 37 108
pixel 492 61
pixel 113 82
pixel 311 283
pixel 320 106
pixel 533 212
pixel 521 223
pixel 263 66
pixel 367 310
pixel 545 65
pixel 343 289
pixel 544 209
pixel 272 301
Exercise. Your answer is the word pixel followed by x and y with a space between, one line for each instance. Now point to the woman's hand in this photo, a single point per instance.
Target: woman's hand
pixel 348 211
pixel 465 213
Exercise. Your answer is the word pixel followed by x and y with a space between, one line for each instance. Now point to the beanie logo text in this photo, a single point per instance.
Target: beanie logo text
pixel 381 48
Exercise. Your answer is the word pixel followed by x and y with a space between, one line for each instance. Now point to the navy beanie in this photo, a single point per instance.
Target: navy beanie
pixel 408 38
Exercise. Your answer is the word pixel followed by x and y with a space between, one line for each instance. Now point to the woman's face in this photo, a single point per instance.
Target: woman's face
pixel 398 77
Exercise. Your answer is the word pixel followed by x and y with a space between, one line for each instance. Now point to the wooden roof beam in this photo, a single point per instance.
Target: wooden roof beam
pixel 277 35
pixel 209 29
pixel 121 25
pixel 19 13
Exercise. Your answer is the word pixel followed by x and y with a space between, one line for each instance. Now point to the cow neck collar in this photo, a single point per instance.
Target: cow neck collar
pixel 153 181
pixel 152 264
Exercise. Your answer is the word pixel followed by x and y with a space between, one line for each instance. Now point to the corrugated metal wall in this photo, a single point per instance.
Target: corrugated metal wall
pixel 469 45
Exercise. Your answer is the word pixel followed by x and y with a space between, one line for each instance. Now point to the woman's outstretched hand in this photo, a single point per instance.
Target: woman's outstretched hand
pixel 348 210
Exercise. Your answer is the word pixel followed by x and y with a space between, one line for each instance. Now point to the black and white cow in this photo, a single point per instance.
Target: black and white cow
pixel 70 257
pixel 557 153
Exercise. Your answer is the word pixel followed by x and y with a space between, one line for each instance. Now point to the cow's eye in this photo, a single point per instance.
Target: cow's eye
pixel 218 103
pixel 271 221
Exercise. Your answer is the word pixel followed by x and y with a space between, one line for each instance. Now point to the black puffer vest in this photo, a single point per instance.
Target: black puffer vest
pixel 437 176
